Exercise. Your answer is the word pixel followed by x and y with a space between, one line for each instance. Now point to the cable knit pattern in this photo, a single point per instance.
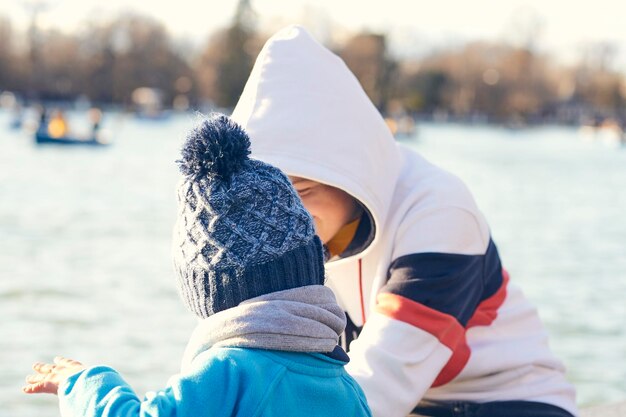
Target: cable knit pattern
pixel 241 229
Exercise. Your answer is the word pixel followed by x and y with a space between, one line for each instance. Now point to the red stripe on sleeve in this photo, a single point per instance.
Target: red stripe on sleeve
pixel 485 314
pixel 443 326
pixel 487 311
pixel 455 364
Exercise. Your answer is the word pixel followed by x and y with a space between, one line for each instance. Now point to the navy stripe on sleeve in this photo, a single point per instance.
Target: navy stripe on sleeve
pixel 450 283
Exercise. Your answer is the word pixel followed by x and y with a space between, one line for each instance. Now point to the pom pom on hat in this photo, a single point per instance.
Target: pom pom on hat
pixel 216 147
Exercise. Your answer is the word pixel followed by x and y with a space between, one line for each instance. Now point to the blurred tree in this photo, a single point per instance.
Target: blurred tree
pixel 7 55
pixel 98 57
pixel 14 59
pixel 59 67
pixel 601 91
pixel 367 57
pixel 526 74
pixel 107 61
pixel 35 69
pixel 422 90
pixel 596 84
pixel 136 51
pixel 495 80
pixel 225 64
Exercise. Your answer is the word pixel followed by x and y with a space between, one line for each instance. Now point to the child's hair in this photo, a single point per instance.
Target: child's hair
pixel 241 230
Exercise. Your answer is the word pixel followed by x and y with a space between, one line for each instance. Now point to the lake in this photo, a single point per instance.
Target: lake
pixel 85 268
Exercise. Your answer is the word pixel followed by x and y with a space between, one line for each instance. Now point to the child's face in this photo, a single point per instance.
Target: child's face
pixel 330 207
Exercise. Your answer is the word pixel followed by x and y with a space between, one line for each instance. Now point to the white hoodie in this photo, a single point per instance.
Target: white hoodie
pixel 441 321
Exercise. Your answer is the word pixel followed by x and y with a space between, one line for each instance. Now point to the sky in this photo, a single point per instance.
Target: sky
pixel 562 28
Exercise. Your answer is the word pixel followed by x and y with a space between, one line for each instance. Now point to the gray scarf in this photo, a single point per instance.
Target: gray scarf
pixel 304 319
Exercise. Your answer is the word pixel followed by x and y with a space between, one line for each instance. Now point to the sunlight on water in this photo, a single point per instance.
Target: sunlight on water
pixel 85 234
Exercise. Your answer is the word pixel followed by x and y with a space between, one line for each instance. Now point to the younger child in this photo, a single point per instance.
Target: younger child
pixel 251 267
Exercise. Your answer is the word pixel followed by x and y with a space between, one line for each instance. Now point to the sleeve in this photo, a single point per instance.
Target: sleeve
pixel 101 392
pixel 445 267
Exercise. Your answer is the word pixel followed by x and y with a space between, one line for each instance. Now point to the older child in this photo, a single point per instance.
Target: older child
pixel 439 329
pixel 251 267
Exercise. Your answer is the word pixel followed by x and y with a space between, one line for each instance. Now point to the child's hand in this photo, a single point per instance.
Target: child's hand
pixel 50 376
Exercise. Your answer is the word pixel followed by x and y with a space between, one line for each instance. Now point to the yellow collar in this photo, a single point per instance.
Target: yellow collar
pixel 342 239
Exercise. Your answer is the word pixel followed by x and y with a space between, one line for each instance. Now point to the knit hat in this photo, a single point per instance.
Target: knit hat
pixel 241 230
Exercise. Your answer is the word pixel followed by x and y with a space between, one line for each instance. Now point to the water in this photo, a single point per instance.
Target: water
pixel 85 233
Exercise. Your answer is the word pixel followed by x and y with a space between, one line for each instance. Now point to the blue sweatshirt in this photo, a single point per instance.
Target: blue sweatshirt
pixel 224 382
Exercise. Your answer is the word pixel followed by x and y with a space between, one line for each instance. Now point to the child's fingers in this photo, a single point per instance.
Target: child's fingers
pixel 60 360
pixel 34 388
pixel 29 389
pixel 43 368
pixel 33 379
pixel 41 387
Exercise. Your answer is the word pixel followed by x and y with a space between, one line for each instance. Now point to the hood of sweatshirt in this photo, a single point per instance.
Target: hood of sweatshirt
pixel 307 114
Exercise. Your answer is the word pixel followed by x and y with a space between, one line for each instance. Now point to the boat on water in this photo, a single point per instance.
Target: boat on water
pixel 42 137
pixel 55 130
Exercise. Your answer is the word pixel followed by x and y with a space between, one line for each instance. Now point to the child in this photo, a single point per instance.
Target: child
pixel 436 326
pixel 251 267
